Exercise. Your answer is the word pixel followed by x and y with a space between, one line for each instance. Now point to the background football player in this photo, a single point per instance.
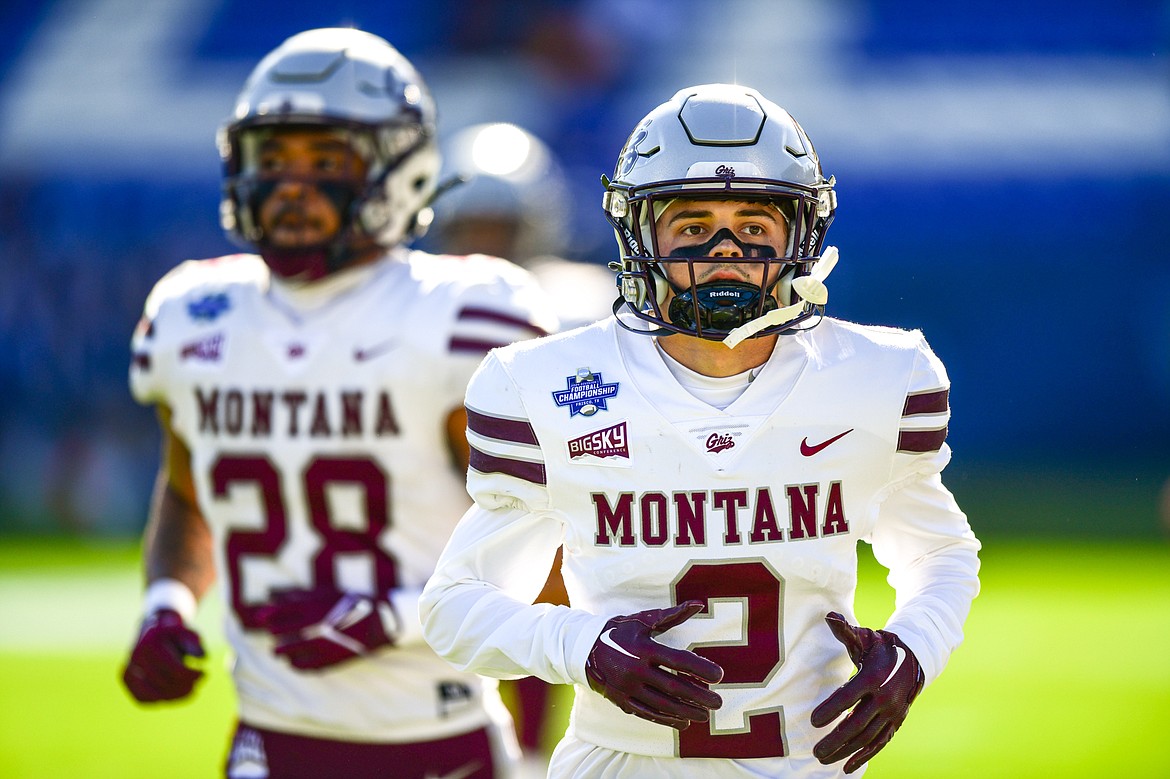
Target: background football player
pixel 709 459
pixel 310 399
pixel 513 201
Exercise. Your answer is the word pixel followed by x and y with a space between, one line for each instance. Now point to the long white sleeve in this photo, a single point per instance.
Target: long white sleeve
pixel 923 538
pixel 476 610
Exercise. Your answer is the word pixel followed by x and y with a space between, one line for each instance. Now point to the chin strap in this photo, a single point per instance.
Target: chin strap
pixel 810 289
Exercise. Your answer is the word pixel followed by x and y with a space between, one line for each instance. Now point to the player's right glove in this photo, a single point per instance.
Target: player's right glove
pixel 651 680
pixel 157 670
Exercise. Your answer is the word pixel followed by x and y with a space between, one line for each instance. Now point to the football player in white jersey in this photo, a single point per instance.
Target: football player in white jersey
pixel 311 403
pixel 513 201
pixel 709 459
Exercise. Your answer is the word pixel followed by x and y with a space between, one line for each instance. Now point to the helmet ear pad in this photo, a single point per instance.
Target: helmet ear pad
pixel 389 210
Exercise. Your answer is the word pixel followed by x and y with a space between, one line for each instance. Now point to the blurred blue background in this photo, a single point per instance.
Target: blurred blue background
pixel 1003 175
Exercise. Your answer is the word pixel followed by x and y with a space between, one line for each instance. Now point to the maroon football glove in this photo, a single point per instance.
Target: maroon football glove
pixel 156 670
pixel 315 629
pixel 880 693
pixel 634 671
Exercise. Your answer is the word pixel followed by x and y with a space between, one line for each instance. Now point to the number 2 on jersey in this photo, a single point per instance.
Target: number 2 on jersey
pixel 750 662
pixel 268 542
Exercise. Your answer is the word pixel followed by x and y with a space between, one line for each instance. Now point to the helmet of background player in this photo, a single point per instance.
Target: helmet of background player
pixel 512 200
pixel 358 86
pixel 720 142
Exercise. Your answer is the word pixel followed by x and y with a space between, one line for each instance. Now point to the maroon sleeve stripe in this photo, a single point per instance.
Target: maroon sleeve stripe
pixel 473 345
pixel 934 402
pixel 477 314
pixel 520 469
pixel 146 327
pixel 515 431
pixel 921 441
pixel 142 361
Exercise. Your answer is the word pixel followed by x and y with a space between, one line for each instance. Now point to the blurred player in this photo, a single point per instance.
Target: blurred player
pixel 513 202
pixel 709 460
pixel 310 403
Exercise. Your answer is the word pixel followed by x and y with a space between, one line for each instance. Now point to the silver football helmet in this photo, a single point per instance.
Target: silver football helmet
pixel 357 84
pixel 722 142
pixel 509 180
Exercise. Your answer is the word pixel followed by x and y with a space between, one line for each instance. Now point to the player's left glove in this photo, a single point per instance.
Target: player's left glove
pixel 316 629
pixel 887 681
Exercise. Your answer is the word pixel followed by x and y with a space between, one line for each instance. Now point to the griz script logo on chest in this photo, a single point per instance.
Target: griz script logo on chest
pixel 751 516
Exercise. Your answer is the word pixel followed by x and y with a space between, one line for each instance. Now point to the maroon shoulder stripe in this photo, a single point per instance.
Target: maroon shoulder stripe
pixel 921 441
pixel 142 361
pixel 933 402
pixel 473 345
pixel 516 431
pixel 520 469
pixel 475 313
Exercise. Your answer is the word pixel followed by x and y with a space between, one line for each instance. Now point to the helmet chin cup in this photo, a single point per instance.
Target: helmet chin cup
pixel 717 308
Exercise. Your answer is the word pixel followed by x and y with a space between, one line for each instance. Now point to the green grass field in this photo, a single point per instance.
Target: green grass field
pixel 1060 675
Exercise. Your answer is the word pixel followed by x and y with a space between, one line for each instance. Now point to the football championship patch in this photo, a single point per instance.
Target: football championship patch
pixel 209 307
pixel 585 394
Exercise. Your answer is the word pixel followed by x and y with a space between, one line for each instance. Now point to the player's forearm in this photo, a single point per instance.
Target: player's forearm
pixel 923 537
pixel 476 609
pixel 934 599
pixel 177 543
pixel 480 629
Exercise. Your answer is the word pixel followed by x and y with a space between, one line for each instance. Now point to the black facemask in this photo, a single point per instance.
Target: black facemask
pixel 722 305
pixel 307 263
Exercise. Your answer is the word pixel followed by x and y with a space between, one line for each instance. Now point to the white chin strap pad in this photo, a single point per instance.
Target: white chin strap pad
pixel 810 289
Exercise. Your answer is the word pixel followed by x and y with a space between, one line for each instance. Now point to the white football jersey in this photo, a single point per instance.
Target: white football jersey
pixel 587 439
pixel 320 458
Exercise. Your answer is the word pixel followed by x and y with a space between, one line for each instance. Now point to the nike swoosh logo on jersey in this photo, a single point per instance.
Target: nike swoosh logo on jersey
pixel 898 664
pixel 609 642
pixel 809 450
pixel 377 350
pixel 462 772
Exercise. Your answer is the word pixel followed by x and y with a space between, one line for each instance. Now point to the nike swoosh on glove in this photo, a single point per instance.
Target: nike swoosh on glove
pixel 651 680
pixel 887 681
pixel 157 670
pixel 316 629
